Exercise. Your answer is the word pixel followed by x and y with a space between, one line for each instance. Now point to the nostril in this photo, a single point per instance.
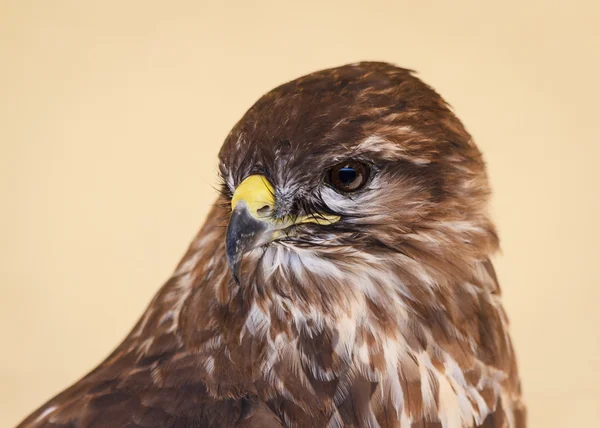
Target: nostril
pixel 264 210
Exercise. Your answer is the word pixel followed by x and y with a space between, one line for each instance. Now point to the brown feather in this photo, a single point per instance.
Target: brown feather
pixel 390 317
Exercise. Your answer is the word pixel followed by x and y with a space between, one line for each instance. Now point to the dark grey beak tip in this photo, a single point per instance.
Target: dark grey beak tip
pixel 243 234
pixel 235 265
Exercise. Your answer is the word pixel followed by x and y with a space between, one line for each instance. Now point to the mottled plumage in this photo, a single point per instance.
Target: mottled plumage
pixel 389 316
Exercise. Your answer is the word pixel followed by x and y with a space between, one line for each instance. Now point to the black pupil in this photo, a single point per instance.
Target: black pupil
pixel 347 175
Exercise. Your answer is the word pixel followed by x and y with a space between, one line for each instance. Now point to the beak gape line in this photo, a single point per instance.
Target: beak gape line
pixel 252 224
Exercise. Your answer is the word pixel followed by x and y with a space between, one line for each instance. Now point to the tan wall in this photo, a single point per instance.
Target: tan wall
pixel 112 112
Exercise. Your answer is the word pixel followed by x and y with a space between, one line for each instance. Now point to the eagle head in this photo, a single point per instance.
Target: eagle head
pixel 347 179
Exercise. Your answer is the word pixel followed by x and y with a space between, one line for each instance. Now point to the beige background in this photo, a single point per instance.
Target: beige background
pixel 111 115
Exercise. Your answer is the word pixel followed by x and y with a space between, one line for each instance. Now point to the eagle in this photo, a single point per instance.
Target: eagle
pixel 342 279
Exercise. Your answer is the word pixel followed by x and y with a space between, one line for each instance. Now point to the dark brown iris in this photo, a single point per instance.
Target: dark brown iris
pixel 348 176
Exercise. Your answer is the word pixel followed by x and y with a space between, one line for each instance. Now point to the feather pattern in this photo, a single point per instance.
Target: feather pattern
pixel 390 317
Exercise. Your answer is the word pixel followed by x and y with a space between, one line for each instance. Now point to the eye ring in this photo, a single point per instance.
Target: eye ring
pixel 348 176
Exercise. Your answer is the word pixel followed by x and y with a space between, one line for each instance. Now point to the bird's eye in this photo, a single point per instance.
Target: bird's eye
pixel 348 176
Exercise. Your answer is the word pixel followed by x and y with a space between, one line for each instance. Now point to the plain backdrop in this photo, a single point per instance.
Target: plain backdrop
pixel 112 113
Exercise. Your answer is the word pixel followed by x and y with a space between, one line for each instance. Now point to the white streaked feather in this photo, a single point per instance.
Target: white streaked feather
pixel 45 414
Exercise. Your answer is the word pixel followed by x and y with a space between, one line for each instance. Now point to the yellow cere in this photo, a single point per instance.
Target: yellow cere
pixel 257 193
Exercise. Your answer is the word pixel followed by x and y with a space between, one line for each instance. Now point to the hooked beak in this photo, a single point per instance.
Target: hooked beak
pixel 250 225
pixel 252 222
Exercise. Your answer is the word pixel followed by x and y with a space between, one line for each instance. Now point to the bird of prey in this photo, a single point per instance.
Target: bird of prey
pixel 343 279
